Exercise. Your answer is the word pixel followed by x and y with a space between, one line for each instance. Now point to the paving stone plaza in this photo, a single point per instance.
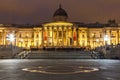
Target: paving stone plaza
pixel 59 69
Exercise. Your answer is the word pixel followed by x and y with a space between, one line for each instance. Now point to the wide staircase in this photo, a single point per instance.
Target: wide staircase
pixel 8 51
pixel 59 55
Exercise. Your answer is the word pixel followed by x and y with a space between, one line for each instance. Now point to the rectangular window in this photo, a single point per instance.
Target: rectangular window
pixel 60 33
pixel 64 33
pixel 100 35
pixel 37 35
pixel 50 33
pixel 32 35
pixel 0 34
pixel 83 35
pixel 55 34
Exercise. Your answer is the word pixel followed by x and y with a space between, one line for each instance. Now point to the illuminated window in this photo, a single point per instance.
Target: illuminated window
pixel 20 35
pixel 60 33
pixel 50 33
pixel 32 35
pixel 45 36
pixel 37 35
pixel 93 34
pixel 64 33
pixel 100 35
pixel 83 35
pixel 55 34
pixel 27 35
pixel 0 34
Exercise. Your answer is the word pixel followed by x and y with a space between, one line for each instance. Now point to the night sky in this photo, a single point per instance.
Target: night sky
pixel 39 11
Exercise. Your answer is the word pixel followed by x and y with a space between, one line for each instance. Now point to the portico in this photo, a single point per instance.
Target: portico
pixel 59 34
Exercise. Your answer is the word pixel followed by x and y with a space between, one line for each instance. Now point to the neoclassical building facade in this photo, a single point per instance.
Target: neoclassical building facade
pixel 61 33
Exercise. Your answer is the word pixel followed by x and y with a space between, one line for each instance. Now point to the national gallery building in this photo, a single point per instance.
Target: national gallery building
pixel 61 33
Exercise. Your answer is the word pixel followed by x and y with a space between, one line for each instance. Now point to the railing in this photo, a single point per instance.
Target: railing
pixel 22 55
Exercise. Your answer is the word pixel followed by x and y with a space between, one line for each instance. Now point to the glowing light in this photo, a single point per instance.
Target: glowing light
pixel 97 40
pixel 93 34
pixel 21 40
pixel 11 37
pixel 106 38
pixel 60 23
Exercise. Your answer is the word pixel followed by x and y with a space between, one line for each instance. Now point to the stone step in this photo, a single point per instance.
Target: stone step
pixel 60 55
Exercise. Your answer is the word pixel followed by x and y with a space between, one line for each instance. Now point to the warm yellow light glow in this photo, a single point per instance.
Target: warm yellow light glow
pixel 106 38
pixel 21 40
pixel 97 40
pixel 11 37
pixel 27 35
pixel 60 23
pixel 50 33
pixel 93 34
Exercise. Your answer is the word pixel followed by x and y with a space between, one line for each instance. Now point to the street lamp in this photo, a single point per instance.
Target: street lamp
pixel 11 37
pixel 106 38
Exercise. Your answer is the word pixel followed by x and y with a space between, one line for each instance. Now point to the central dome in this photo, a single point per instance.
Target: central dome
pixel 60 14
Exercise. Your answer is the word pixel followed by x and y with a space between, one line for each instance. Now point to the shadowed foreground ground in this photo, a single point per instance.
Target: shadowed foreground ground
pixel 11 69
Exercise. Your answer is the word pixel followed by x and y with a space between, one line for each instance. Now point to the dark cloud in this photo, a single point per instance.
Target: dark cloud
pixel 38 11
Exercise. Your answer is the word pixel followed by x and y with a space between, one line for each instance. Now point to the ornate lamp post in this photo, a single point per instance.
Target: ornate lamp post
pixel 106 38
pixel 11 38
